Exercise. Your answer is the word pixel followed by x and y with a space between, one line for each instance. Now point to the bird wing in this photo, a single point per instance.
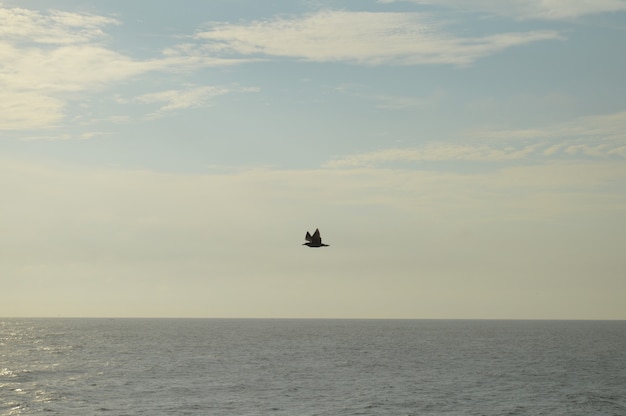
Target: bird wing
pixel 317 238
pixel 308 237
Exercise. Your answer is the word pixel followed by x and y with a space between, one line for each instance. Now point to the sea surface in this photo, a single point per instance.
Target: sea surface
pixel 311 367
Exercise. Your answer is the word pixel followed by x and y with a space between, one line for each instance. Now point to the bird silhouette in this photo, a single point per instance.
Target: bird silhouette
pixel 314 240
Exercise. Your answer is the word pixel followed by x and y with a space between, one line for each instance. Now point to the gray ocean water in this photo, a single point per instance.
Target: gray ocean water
pixel 311 367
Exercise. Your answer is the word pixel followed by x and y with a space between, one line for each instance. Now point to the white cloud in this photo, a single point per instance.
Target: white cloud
pixel 601 130
pixel 41 78
pixel 601 136
pixel 180 99
pixel 46 56
pixel 435 152
pixel 56 27
pixel 530 9
pixel 67 68
pixel 190 97
pixel 18 109
pixel 396 102
pixel 392 102
pixel 43 55
pixel 360 37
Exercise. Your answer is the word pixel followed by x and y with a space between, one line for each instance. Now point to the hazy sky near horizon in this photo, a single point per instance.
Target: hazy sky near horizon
pixel 463 158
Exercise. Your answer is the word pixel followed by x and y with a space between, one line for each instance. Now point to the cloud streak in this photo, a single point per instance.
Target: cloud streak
pixel 602 136
pixel 45 57
pixel 529 9
pixel 361 38
pixel 17 109
pixel 434 153
pixel 56 27
pixel 181 99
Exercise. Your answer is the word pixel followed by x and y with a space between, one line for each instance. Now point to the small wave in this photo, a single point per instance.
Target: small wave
pixel 5 372
pixel 597 402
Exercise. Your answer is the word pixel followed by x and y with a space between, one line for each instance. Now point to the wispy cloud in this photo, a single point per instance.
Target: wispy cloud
pixel 45 56
pixel 399 102
pixel 39 54
pixel 389 101
pixel 435 153
pixel 601 136
pixel 55 27
pixel 599 129
pixel 181 99
pixel 360 37
pixel 17 110
pixel 191 97
pixel 530 9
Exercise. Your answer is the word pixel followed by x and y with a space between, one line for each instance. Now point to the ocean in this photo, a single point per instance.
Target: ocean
pixel 311 367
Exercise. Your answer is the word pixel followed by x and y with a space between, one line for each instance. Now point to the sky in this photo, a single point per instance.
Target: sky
pixel 464 159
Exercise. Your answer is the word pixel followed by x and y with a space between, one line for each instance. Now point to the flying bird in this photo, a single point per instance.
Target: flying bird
pixel 314 240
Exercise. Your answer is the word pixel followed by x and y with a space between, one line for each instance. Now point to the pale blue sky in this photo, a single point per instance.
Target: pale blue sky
pixel 463 158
